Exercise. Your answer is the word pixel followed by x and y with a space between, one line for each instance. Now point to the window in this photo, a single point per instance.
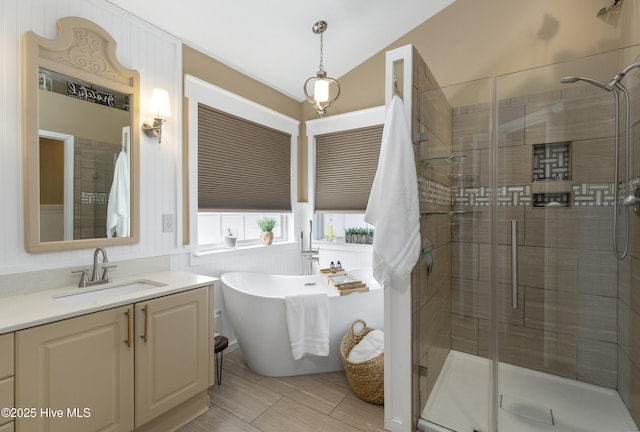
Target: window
pixel 243 154
pixel 242 165
pixel 340 223
pixel 212 227
pixel 343 158
pixel 346 163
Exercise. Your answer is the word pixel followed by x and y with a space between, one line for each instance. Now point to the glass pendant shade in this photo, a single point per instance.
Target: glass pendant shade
pixel 321 90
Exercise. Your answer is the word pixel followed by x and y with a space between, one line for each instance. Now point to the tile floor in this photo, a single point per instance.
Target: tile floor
pixel 248 402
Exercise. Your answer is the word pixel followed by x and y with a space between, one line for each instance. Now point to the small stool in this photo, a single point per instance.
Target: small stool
pixel 220 344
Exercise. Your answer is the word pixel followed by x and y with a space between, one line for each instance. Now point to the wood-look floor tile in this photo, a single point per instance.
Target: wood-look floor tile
pixel 360 414
pixel 218 420
pixel 191 427
pixel 234 362
pixel 290 416
pixel 245 398
pixel 338 378
pixel 248 402
pixel 309 390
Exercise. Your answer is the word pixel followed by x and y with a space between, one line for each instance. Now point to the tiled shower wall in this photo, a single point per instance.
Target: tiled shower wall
pixel 431 291
pixel 566 319
pixel 94 164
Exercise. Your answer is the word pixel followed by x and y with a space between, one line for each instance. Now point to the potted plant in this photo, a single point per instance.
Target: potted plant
pixel 266 225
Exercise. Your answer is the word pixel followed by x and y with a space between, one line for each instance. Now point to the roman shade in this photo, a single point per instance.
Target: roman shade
pixel 242 166
pixel 346 164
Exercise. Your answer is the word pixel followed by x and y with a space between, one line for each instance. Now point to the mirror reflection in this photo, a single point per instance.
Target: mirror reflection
pixel 84 162
pixel 82 169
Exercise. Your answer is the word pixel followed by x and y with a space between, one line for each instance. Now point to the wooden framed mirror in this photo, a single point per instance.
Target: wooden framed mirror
pixel 81 140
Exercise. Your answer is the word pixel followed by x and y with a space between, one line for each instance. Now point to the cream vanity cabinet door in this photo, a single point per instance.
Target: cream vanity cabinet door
pixel 171 354
pixel 77 374
pixel 6 380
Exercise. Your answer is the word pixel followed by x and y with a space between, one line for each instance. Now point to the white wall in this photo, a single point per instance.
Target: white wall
pixel 157 57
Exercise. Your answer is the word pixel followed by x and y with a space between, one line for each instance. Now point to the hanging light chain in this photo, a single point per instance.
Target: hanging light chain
pixel 321 68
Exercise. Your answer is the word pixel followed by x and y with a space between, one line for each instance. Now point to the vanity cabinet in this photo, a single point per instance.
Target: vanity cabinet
pixel 116 369
pixel 172 352
pixel 6 379
pixel 78 363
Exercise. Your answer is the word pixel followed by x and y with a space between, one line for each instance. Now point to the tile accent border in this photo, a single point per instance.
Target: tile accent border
pixel 593 195
pixel 94 198
pixel 582 195
pixel 432 192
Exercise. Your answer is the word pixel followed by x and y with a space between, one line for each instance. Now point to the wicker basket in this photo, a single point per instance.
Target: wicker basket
pixel 367 378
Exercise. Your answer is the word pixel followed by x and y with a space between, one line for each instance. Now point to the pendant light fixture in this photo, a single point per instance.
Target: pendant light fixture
pixel 321 98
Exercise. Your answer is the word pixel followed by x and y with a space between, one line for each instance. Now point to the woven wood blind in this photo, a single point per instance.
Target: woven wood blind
pixel 346 164
pixel 242 166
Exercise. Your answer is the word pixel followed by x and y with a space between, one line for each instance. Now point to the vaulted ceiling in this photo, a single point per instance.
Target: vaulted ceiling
pixel 273 42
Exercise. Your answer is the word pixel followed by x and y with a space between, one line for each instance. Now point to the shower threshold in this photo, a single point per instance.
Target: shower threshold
pixel 530 401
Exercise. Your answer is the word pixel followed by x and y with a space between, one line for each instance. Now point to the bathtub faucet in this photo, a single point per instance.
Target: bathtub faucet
pixel 308 258
pixel 310 255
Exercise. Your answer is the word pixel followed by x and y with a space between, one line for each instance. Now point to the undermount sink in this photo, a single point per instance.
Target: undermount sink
pixel 90 295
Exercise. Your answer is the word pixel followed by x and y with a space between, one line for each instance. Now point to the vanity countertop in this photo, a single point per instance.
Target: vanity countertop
pixel 29 310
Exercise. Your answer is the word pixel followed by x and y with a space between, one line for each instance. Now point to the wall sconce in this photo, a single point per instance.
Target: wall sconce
pixel 160 105
pixel 321 82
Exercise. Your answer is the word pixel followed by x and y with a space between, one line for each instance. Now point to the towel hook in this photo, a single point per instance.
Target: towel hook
pixel 396 90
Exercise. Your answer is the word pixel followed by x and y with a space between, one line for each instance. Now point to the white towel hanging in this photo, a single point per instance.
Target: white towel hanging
pixel 118 208
pixel 394 207
pixel 308 324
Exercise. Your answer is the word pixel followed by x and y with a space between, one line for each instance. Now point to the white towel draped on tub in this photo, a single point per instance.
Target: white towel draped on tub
pixel 308 323
pixel 393 206
pixel 118 206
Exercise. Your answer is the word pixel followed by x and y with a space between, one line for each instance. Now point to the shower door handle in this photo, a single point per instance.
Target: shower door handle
pixel 514 264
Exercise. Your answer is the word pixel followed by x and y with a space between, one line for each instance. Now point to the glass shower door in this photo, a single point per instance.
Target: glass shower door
pixel 454 276
pixel 564 311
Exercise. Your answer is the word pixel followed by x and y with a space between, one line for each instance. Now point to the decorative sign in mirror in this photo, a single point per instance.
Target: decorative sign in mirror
pixel 81 172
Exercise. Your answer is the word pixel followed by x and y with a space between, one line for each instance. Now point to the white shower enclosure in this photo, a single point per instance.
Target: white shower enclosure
pixel 522 316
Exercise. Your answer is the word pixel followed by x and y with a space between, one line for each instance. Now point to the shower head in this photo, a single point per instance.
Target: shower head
pixel 599 84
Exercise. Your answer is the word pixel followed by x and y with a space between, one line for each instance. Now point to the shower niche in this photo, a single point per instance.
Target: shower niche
pixel 552 161
pixel 551 172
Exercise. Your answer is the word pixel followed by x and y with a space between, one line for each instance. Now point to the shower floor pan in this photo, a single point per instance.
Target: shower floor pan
pixel 530 401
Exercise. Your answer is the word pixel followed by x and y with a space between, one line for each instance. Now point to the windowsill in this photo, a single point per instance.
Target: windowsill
pixel 240 248
pixel 205 256
pixel 201 257
pixel 339 243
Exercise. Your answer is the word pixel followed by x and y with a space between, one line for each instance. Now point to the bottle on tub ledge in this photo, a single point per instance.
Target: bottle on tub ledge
pixel 331 231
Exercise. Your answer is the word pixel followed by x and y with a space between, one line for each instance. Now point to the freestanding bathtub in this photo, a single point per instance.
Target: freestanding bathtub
pixel 256 308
